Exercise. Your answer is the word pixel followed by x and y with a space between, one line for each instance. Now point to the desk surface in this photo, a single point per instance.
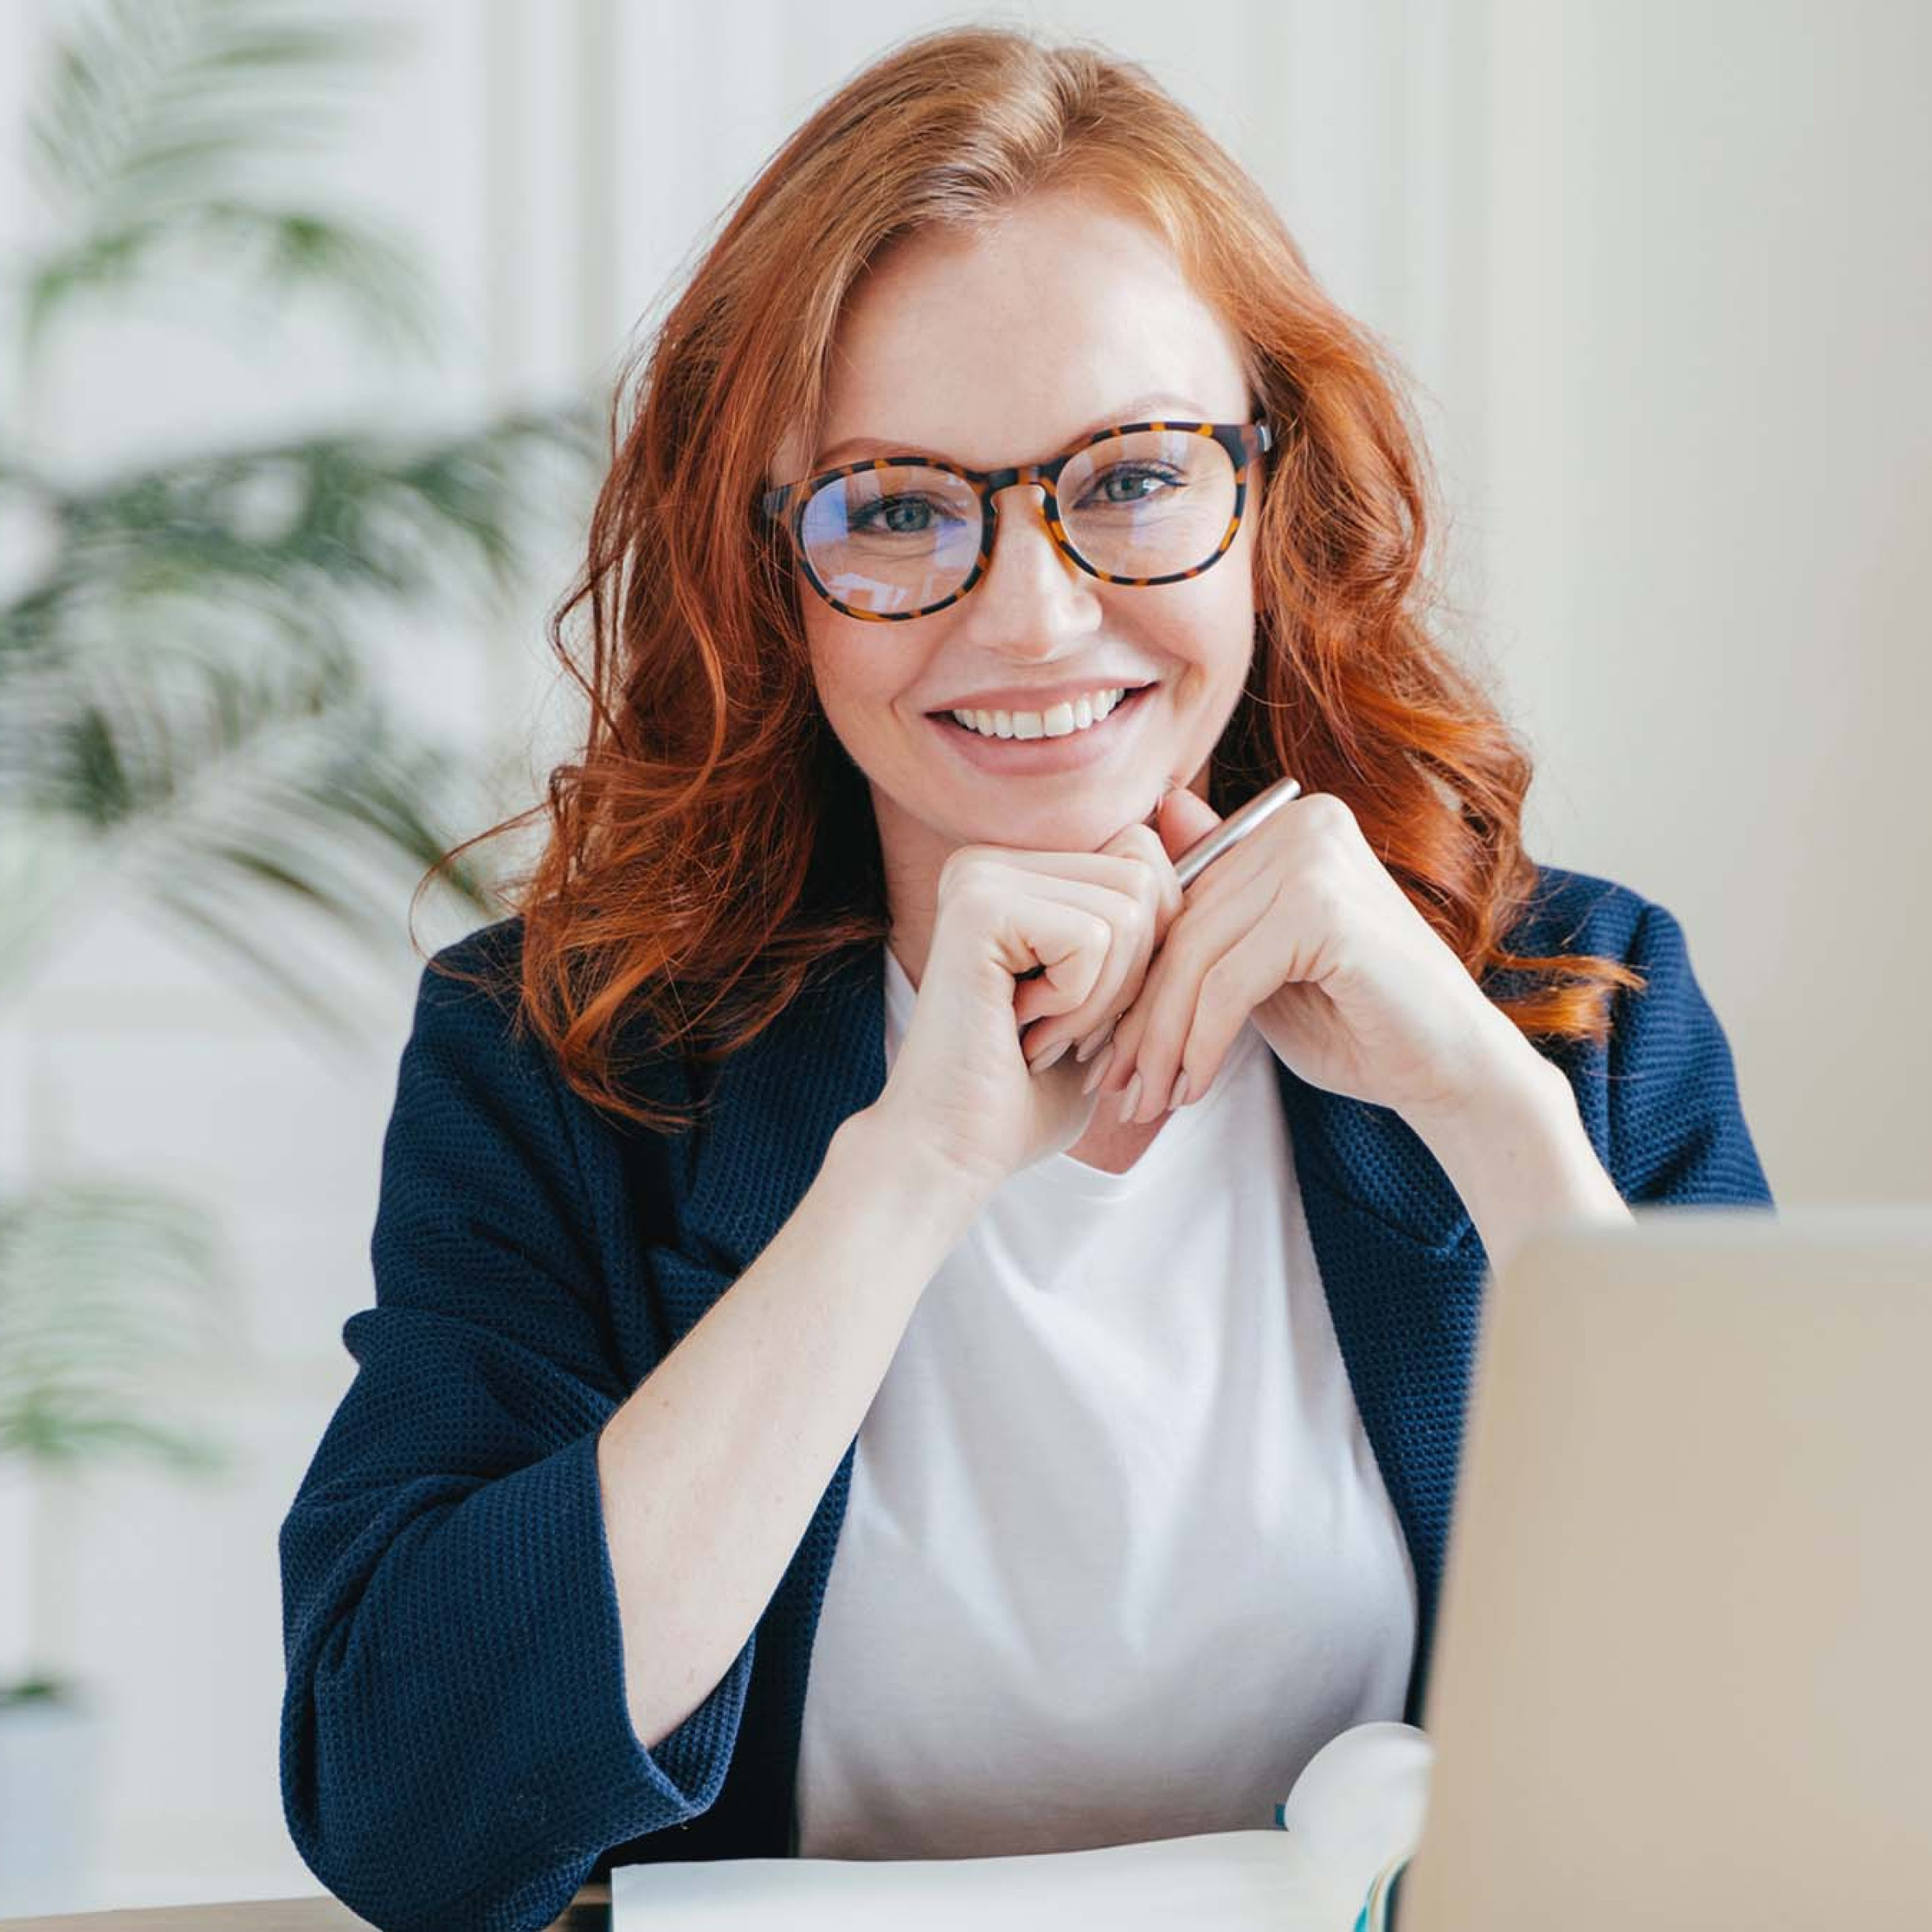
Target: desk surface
pixel 589 1911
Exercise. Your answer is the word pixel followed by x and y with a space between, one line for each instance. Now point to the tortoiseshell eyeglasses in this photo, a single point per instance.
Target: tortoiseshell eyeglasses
pixel 896 537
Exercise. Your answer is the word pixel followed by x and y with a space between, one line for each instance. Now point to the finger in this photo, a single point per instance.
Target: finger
pixel 1121 873
pixel 1088 967
pixel 1223 884
pixel 1234 987
pixel 1135 843
pixel 1158 889
pixel 1220 965
pixel 1142 842
pixel 1154 899
pixel 1115 986
pixel 1071 941
pixel 1115 870
pixel 1101 868
pixel 1129 1029
pixel 1065 928
pixel 1114 1061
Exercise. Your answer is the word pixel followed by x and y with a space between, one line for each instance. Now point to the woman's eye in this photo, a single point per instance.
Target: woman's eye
pixel 896 516
pixel 1131 481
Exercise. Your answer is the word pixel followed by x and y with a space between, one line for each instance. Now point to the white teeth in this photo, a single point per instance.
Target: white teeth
pixel 1058 722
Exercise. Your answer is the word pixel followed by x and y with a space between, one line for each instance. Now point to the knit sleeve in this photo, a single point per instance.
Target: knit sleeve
pixel 456 1747
pixel 1677 1128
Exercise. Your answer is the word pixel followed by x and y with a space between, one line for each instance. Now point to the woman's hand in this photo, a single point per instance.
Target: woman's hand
pixel 964 1085
pixel 1302 925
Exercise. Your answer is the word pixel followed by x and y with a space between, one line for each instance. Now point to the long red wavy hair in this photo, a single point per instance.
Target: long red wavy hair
pixel 713 846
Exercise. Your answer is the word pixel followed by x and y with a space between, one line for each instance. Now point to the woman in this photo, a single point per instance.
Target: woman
pixel 750 1201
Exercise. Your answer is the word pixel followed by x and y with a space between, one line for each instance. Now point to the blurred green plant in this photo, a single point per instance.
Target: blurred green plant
pixel 75 1343
pixel 188 723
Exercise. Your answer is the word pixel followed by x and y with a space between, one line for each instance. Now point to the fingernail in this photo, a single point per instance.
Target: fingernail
pixel 1092 1045
pixel 1097 1071
pixel 1047 1059
pixel 1180 1092
pixel 1131 1098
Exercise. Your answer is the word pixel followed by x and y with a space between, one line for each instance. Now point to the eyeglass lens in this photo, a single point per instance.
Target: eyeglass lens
pixel 1148 504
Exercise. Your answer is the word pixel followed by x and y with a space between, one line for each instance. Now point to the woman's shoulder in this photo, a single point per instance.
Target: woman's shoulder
pixel 1660 1095
pixel 1584 914
pixel 472 1047
pixel 486 964
pixel 467 1053
pixel 483 1105
pixel 470 1006
pixel 468 1009
pixel 1572 911
pixel 1568 911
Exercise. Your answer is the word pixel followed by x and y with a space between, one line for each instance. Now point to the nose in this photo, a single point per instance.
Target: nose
pixel 1031 589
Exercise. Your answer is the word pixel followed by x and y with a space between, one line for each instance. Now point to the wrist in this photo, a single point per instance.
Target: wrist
pixel 1518 1153
pixel 896 1155
pixel 1518 1084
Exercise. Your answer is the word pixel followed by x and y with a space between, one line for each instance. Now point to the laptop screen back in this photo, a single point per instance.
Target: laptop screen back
pixel 1681 1675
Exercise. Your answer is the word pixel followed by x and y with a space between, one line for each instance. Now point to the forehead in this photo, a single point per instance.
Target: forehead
pixel 991 346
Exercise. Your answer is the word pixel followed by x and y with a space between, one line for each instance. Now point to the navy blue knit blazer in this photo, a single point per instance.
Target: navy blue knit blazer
pixel 456 1745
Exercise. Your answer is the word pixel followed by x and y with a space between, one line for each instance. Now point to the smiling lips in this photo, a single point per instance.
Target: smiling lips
pixel 1045 752
pixel 1056 721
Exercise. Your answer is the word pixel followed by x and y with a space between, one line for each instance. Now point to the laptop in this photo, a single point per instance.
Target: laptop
pixel 1682 1674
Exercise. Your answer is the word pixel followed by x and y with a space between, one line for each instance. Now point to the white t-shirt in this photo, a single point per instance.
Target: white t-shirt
pixel 1117 1558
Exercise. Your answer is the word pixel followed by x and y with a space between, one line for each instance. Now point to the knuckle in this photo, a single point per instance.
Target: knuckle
pixel 1318 912
pixel 1137 841
pixel 1327 814
pixel 1166 910
pixel 1214 982
pixel 1178 949
pixel 980 889
pixel 965 866
pixel 1323 893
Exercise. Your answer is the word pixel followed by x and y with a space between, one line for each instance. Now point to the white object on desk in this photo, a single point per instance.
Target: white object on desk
pixel 1357 1804
pixel 1230 1879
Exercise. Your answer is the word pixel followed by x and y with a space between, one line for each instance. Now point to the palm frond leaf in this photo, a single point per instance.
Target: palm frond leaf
pixel 188 720
pixel 212 782
pixel 103 1288
pixel 155 109
pixel 299 520
pixel 282 250
pixel 181 686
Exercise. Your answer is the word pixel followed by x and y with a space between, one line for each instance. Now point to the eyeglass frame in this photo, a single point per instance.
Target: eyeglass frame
pixel 1246 443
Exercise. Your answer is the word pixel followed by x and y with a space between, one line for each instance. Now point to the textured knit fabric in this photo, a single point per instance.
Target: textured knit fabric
pixel 456 1747
pixel 1116 1560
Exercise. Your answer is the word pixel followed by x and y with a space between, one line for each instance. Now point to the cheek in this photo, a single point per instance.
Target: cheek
pixel 1230 651
pixel 1212 640
pixel 855 670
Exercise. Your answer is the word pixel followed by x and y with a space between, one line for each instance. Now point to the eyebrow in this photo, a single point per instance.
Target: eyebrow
pixel 1182 408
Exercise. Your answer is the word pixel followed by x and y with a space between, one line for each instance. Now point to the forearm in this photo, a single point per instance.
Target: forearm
pixel 1518 1154
pixel 712 1469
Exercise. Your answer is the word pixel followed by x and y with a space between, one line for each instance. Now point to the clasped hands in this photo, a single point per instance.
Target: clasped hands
pixel 1301 927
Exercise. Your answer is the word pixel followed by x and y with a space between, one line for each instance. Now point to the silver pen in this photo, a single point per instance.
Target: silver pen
pixel 1231 831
